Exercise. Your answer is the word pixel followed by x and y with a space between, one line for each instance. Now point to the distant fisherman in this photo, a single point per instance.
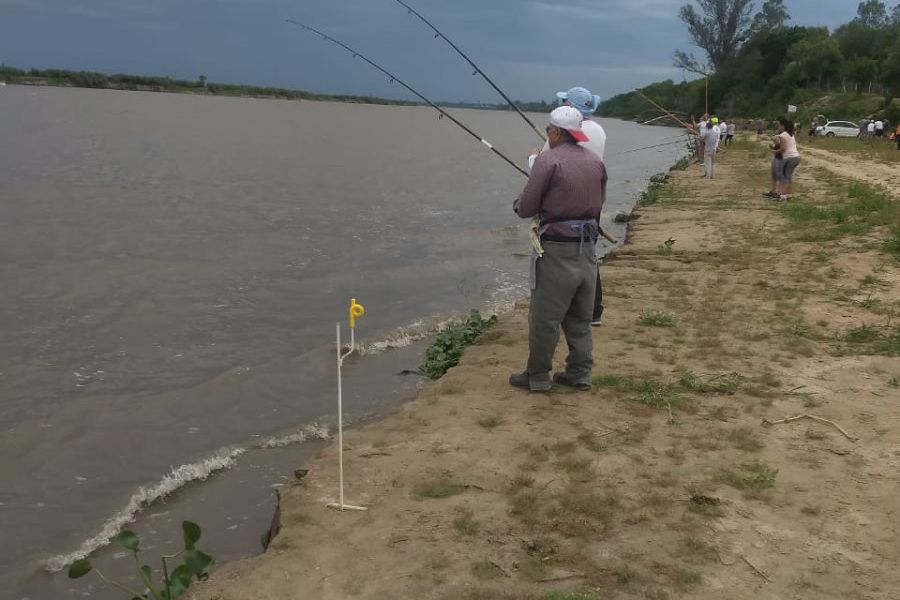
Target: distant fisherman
pixel 566 191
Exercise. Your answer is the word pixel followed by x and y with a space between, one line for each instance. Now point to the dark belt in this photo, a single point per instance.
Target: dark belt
pixel 560 238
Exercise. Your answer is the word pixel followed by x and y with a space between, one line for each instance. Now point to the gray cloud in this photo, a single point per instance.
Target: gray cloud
pixel 530 47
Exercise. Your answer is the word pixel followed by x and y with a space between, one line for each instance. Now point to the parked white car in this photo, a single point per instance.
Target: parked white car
pixel 838 129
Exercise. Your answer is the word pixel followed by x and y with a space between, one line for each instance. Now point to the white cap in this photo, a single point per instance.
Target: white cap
pixel 570 119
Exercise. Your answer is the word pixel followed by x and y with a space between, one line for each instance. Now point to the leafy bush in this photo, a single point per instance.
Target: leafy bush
pixel 446 350
pixel 195 565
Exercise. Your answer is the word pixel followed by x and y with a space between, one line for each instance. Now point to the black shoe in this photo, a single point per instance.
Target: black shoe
pixel 522 380
pixel 562 379
pixel 771 194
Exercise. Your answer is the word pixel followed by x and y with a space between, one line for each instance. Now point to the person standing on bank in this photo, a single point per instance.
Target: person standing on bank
pixel 711 140
pixel 586 103
pixel 566 191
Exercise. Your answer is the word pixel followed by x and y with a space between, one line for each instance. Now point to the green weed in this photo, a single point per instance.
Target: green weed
pixel 753 478
pixel 446 350
pixel 442 488
pixel 657 318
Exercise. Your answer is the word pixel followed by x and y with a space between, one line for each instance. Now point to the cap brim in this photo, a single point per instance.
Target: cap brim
pixel 562 95
pixel 578 135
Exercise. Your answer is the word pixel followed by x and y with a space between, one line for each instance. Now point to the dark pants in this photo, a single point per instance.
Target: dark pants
pixel 598 299
pixel 563 296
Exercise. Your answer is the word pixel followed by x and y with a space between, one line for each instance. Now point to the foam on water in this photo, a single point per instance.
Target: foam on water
pixel 177 478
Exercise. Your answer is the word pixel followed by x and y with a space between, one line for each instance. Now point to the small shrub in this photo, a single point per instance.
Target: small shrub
pixel 753 478
pixel 443 488
pixel 466 524
pixel 666 248
pixel 447 348
pixel 657 318
pixel 490 421
pixel 486 569
pixel 687 577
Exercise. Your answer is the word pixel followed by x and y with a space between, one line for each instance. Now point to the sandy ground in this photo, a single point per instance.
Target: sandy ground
pixel 663 482
pixel 875 172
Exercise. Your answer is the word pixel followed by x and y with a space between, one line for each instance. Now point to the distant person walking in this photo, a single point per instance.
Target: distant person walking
pixel 879 128
pixel 710 143
pixel 863 128
pixel 729 134
pixel 870 129
pixel 760 126
pixel 566 191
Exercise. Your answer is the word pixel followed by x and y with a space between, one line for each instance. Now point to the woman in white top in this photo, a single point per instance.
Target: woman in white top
pixel 787 145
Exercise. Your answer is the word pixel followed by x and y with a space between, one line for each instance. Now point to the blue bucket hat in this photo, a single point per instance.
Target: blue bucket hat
pixel 582 99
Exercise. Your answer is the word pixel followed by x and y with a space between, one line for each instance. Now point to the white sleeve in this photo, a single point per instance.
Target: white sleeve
pixel 533 157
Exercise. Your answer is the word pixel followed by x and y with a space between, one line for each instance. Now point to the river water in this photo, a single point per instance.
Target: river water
pixel 171 270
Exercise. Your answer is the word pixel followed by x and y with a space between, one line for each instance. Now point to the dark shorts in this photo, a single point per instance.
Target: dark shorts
pixel 730 136
pixel 787 168
pixel 759 132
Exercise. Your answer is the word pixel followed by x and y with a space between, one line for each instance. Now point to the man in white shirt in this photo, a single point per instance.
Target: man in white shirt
pixel 879 128
pixel 870 128
pixel 586 103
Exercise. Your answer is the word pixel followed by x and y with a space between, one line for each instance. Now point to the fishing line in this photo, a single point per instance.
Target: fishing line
pixel 394 78
pixel 478 71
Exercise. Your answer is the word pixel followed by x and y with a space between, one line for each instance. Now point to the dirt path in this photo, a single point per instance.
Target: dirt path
pixel 877 173
pixel 663 482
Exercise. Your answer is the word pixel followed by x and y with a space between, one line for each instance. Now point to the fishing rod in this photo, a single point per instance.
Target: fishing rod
pixel 478 71
pixel 394 78
pixel 685 125
pixel 678 141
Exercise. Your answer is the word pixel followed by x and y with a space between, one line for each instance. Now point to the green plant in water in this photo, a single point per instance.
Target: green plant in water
pixel 446 350
pixel 194 565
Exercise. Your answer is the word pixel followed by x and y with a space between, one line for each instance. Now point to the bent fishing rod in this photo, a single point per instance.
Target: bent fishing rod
pixel 478 71
pixel 394 78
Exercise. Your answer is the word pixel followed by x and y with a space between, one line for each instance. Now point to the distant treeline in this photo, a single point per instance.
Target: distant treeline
pixel 119 81
pixel 90 79
pixel 850 73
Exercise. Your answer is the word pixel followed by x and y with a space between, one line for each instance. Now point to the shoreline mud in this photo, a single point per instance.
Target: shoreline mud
pixel 684 473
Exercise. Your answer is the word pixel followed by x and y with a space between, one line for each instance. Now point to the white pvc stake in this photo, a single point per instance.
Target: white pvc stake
pixel 356 310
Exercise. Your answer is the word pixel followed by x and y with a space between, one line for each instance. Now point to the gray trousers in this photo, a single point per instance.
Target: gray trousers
pixel 563 295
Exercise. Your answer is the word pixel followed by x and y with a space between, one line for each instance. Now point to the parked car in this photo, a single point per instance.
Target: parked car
pixel 839 129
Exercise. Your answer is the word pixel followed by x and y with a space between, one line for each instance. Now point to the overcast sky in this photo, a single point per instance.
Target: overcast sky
pixel 531 48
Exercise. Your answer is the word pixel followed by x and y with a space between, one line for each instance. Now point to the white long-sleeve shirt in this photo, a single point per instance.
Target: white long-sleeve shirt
pixel 596 141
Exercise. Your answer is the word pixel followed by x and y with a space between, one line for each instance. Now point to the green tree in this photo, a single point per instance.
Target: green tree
pixel 718 29
pixel 872 13
pixel 861 71
pixel 772 15
pixel 815 60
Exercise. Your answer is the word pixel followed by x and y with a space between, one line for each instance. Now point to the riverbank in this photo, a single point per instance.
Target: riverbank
pixel 725 314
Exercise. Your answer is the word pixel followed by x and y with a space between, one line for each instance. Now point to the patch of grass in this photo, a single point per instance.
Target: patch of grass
pixel 558 595
pixel 621 218
pixel 666 248
pixel 447 348
pixel 869 302
pixel 654 192
pixel 752 478
pixel 868 340
pixel 658 394
pixel 862 335
pixel 541 553
pixel 465 523
pixel 855 209
pixel 745 439
pixel 442 488
pixel 687 577
pixel 581 510
pixel 725 383
pixel 657 318
pixel 681 164
pixel 486 569
pixel 625 575
pixel 490 421
pixel 870 281
pixel 589 440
